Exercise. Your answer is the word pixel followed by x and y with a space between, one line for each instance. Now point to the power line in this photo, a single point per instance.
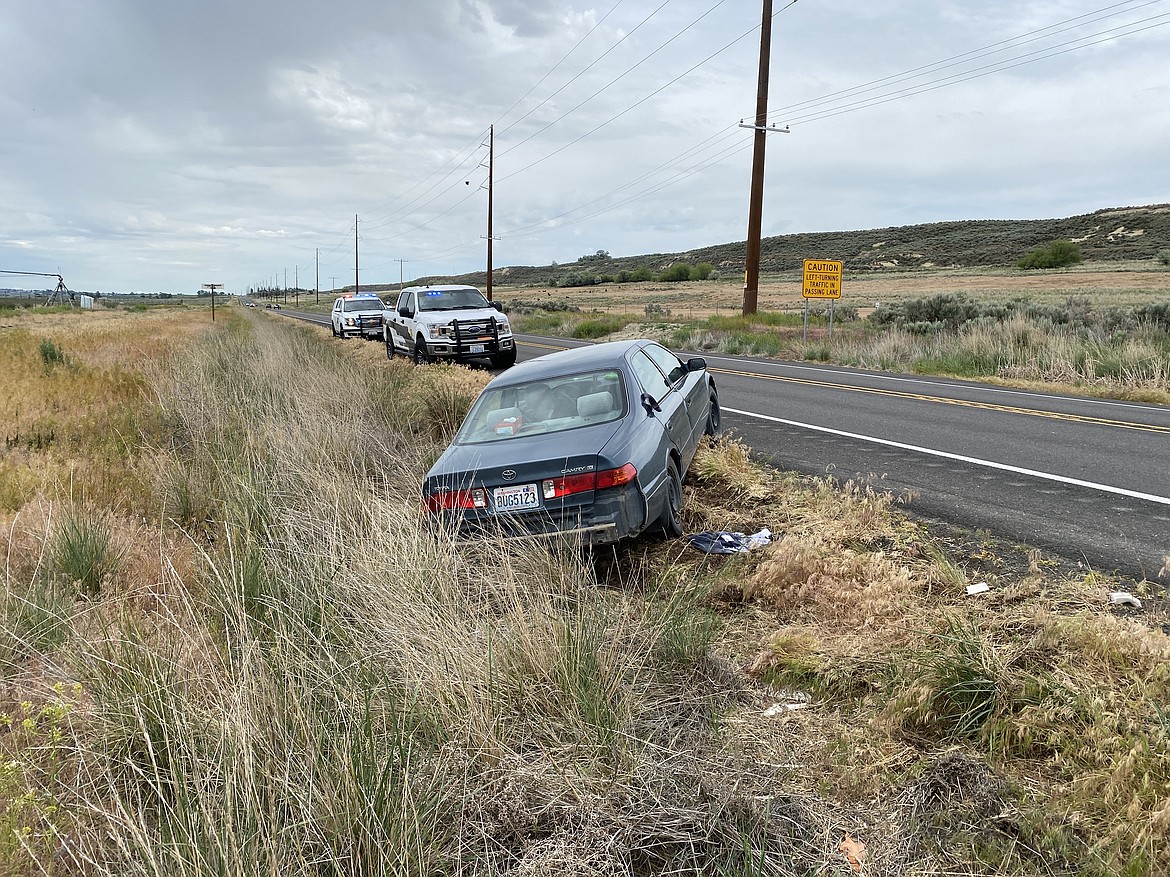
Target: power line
pixel 1044 54
pixel 589 67
pixel 621 76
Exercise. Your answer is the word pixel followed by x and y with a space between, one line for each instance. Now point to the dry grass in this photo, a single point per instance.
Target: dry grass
pixel 287 671
pixel 1104 285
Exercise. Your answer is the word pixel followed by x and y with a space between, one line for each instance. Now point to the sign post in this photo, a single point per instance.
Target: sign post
pixel 822 279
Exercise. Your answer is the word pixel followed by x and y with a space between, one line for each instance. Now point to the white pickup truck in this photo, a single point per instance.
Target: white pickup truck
pixel 454 323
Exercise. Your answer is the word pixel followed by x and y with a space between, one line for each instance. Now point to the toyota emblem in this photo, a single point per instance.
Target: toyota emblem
pixel 508 474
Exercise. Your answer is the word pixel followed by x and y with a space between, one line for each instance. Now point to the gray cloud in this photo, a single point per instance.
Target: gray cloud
pixel 159 145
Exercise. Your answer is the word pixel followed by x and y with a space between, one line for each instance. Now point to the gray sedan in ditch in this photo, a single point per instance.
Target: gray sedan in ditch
pixel 592 442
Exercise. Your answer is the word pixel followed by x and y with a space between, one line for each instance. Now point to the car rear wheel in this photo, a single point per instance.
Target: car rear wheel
pixel 714 416
pixel 388 338
pixel 420 352
pixel 333 329
pixel 671 519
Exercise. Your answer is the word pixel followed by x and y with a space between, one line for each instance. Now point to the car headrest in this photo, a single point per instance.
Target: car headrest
pixel 595 403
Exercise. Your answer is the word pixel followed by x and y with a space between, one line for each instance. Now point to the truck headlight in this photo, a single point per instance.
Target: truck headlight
pixel 503 326
pixel 436 331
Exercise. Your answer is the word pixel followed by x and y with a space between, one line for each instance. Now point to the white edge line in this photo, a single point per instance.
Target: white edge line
pixel 975 461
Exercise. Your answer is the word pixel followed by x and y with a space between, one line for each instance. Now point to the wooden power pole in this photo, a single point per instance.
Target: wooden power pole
pixel 751 281
pixel 491 162
pixel 213 287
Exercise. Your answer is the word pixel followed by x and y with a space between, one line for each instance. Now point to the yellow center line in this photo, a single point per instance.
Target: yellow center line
pixel 944 400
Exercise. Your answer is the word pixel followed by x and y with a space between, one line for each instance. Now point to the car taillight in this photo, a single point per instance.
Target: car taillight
pixel 445 500
pixel 554 487
pixel 570 484
pixel 616 477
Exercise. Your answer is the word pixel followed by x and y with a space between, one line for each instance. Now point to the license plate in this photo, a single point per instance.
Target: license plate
pixel 515 498
pixel 476 348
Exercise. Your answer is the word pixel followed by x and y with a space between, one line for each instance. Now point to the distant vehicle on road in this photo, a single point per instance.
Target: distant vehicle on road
pixel 249 304
pixel 453 323
pixel 592 442
pixel 357 314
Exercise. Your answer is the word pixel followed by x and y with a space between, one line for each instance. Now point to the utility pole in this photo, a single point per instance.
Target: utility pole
pixel 333 285
pixel 213 287
pixel 356 288
pixel 297 284
pixel 284 289
pixel 318 275
pixel 751 281
pixel 491 169
pixel 400 264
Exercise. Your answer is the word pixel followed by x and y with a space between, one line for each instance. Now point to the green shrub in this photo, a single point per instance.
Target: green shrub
pixel 1164 256
pixel 1157 314
pixel 51 353
pixel 596 328
pixel 1059 254
pixel 676 273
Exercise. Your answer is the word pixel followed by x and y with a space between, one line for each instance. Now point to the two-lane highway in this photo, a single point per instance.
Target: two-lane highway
pixel 1087 479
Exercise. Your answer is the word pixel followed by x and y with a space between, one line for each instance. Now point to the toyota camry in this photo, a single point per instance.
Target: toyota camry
pixel 593 441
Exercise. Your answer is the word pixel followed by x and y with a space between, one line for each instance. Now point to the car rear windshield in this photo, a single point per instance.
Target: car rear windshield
pixel 451 299
pixel 362 304
pixel 551 405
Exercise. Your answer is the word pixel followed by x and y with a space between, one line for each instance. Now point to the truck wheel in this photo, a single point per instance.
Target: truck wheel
pixel 420 353
pixel 333 328
pixel 670 520
pixel 389 344
pixel 507 359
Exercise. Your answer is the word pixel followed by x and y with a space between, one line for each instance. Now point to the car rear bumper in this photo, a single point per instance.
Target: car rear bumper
pixel 613 515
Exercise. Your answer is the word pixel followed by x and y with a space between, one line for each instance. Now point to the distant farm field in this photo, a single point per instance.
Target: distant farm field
pixel 1103 285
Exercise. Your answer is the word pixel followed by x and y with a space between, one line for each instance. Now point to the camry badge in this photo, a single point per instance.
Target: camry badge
pixel 508 474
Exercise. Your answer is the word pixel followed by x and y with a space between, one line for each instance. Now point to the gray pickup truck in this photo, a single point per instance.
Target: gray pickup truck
pixel 453 323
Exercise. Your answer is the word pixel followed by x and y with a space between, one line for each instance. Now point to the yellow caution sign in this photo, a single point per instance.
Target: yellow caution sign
pixel 822 279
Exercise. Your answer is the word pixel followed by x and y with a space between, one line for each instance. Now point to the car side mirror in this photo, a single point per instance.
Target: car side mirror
pixel 649 403
pixel 405 312
pixel 498 306
pixel 696 364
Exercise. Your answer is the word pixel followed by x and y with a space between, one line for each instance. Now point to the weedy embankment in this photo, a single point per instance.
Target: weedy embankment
pixel 242 651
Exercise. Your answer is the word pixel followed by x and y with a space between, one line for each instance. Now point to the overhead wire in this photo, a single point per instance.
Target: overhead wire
pixel 828 107
pixel 618 78
pixel 1068 46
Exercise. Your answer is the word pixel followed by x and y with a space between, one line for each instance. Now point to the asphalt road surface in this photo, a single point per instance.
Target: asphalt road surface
pixel 1085 479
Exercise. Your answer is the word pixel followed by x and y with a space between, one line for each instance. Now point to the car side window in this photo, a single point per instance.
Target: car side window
pixel 404 303
pixel 649 376
pixel 667 361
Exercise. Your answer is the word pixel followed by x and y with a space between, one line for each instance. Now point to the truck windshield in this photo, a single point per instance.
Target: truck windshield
pixel 451 299
pixel 362 304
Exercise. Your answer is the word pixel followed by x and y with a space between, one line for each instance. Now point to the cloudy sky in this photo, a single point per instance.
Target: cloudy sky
pixel 149 145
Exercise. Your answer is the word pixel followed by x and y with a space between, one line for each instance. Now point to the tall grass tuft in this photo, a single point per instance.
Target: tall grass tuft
pixel 83 551
pixel 956 687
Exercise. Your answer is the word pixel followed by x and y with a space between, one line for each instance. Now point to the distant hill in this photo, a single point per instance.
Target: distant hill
pixel 1110 235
